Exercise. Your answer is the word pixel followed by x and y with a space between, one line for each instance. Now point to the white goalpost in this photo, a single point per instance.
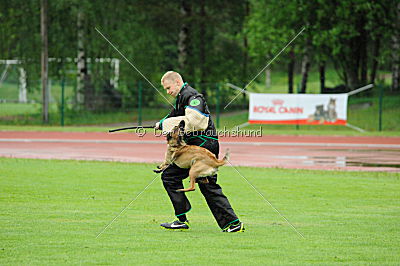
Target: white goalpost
pixel 22 74
pixel 22 92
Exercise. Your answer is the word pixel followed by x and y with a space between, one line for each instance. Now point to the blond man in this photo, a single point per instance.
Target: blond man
pixel 191 107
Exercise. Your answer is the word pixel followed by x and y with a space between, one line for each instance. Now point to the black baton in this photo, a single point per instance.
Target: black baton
pixel 125 128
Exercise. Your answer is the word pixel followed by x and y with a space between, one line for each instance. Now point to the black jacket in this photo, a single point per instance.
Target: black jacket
pixel 190 98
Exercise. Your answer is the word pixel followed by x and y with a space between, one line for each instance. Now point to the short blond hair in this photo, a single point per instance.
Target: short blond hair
pixel 171 76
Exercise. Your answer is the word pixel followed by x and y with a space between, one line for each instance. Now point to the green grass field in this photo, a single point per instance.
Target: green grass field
pixel 51 212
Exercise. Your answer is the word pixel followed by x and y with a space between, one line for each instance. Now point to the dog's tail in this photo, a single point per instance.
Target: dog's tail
pixel 225 159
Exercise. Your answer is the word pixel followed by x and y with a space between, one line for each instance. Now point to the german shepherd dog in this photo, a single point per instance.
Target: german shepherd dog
pixel 201 161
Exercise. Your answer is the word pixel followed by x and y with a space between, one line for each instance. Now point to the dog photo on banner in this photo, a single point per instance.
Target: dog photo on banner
pixel 313 109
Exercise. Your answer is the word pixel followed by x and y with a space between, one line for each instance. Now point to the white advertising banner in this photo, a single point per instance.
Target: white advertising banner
pixel 313 109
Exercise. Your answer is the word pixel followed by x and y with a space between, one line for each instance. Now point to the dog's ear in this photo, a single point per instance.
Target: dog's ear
pixel 182 125
pixel 169 137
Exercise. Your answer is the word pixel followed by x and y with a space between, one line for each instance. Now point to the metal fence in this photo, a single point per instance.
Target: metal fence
pixel 130 103
pixel 138 103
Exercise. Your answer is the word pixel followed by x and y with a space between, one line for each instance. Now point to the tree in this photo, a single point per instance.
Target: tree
pixel 351 37
pixel 271 25
pixel 184 35
pixel 396 49
pixel 44 60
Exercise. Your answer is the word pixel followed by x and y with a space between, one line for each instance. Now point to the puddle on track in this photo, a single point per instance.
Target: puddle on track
pixel 363 164
pixel 348 160
pixel 357 157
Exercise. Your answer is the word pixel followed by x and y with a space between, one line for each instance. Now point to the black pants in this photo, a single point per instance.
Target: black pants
pixel 217 202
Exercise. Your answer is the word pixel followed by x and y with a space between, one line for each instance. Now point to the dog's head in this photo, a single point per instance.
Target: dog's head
pixel 175 137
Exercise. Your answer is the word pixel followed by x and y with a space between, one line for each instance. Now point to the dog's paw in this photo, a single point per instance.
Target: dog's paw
pixel 157 171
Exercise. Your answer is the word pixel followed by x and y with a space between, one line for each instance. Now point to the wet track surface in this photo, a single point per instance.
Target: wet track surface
pixel 303 152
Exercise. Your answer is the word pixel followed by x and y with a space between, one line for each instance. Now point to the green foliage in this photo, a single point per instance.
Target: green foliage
pixel 146 32
pixel 227 41
pixel 52 211
pixel 345 33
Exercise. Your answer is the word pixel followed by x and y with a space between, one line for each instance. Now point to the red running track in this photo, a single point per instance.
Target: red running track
pixel 303 152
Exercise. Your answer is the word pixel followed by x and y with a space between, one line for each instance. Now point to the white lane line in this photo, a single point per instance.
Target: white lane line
pixel 85 141
pixel 362 145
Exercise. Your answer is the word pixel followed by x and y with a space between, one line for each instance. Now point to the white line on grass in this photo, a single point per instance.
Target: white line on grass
pixel 137 196
pixel 265 199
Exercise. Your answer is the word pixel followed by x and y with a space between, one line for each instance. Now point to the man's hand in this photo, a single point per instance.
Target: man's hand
pixel 157 126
